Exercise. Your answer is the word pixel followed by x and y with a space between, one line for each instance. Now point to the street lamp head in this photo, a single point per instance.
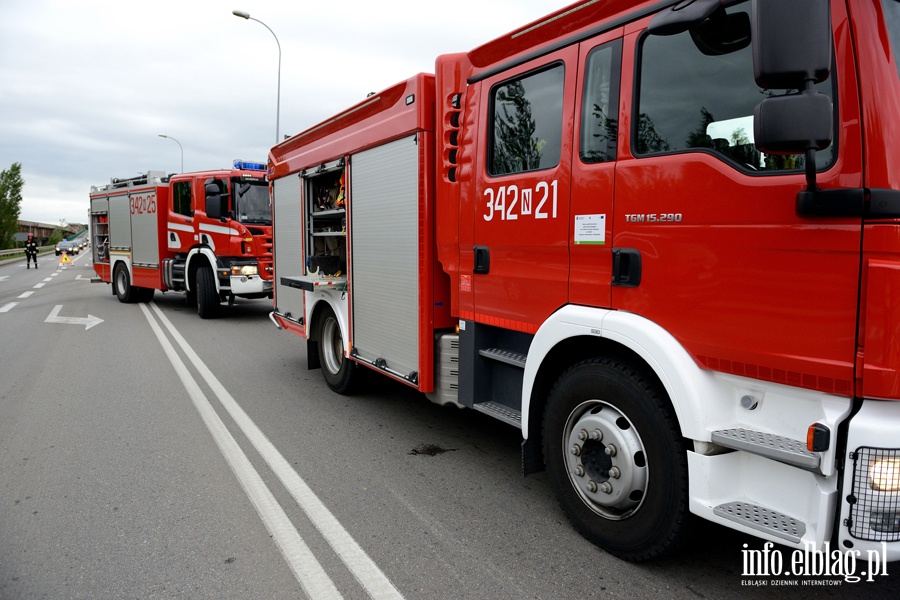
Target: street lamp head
pixel 240 13
pixel 162 135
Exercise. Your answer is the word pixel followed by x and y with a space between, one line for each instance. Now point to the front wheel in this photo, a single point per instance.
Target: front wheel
pixel 207 296
pixel 616 459
pixel 340 372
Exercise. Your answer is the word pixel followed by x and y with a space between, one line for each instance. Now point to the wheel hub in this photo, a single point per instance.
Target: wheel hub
pixel 606 460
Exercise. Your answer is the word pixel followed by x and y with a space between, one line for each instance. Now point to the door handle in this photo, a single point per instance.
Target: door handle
pixel 626 267
pixel 482 260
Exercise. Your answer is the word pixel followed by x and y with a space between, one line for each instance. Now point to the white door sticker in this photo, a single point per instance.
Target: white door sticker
pixel 590 229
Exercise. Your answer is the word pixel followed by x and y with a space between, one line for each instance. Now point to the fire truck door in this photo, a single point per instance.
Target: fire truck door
pixel 729 267
pixel 593 170
pixel 180 229
pixel 521 252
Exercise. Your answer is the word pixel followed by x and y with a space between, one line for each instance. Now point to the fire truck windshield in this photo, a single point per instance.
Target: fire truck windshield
pixel 251 202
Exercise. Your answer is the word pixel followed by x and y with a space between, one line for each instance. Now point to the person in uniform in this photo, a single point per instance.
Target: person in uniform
pixel 31 251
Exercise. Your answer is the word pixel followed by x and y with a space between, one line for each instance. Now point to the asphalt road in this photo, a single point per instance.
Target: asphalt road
pixel 146 453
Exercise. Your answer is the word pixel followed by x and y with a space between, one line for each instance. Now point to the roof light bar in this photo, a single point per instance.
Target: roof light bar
pixel 249 166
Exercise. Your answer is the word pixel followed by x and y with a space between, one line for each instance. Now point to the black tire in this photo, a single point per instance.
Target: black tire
pixel 340 373
pixel 126 292
pixel 207 296
pixel 632 501
pixel 122 285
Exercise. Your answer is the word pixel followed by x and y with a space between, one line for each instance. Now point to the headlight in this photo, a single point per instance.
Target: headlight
pixel 245 270
pixel 884 475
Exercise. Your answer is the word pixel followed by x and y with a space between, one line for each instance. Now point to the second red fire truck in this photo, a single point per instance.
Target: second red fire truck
pixel 660 238
pixel 207 234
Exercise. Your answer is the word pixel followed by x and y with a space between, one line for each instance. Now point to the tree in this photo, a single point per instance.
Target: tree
pixel 648 139
pixel 11 184
pixel 516 148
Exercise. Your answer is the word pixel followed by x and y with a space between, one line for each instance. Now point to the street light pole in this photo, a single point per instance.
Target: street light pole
pixel 245 15
pixel 169 137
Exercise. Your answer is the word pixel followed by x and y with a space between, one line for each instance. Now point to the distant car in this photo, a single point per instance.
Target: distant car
pixel 67 246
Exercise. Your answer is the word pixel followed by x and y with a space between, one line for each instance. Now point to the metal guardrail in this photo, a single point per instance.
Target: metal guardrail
pixel 22 251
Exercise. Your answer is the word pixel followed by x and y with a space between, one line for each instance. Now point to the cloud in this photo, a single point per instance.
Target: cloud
pixel 88 86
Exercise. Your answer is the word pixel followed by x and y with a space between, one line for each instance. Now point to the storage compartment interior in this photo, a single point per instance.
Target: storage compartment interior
pixel 100 237
pixel 326 224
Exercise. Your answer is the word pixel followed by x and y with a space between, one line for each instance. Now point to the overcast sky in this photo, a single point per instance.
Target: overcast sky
pixel 87 86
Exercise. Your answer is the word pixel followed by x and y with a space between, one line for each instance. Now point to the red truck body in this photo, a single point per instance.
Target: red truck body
pixel 207 234
pixel 594 230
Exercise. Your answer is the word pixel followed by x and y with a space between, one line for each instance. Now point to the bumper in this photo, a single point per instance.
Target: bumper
pixel 245 285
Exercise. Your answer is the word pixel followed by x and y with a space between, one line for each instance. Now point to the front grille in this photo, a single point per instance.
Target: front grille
pixel 875 509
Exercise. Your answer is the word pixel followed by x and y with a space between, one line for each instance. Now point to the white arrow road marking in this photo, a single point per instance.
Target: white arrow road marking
pixel 88 322
pixel 7 307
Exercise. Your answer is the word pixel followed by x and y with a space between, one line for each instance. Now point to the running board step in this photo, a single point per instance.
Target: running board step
pixel 776 447
pixel 509 357
pixel 763 519
pixel 499 411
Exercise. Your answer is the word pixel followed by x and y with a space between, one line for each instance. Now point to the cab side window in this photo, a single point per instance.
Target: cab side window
pixel 526 126
pixel 181 198
pixel 697 92
pixel 599 123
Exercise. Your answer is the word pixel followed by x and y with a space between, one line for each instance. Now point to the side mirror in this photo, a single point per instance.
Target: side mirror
pixel 791 42
pixel 216 206
pixel 793 124
pixel 216 199
pixel 792 50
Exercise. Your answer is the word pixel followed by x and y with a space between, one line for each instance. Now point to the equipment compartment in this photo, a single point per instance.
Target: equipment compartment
pixel 326 224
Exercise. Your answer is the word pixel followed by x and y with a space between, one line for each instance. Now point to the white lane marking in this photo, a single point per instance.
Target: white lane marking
pixel 54 274
pixel 39 285
pixel 4 277
pixel 25 294
pixel 7 307
pixel 46 279
pixel 306 568
pixel 88 322
pixel 363 568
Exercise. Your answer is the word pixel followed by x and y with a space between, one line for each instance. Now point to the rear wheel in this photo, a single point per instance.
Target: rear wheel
pixel 340 373
pixel 207 296
pixel 122 284
pixel 126 292
pixel 616 459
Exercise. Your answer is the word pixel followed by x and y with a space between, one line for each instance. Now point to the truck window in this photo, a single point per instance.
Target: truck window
pixel 892 18
pixel 181 198
pixel 699 93
pixel 527 122
pixel 251 202
pixel 601 99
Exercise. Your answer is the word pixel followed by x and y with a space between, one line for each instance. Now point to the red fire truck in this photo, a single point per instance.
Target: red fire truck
pixel 660 238
pixel 207 234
